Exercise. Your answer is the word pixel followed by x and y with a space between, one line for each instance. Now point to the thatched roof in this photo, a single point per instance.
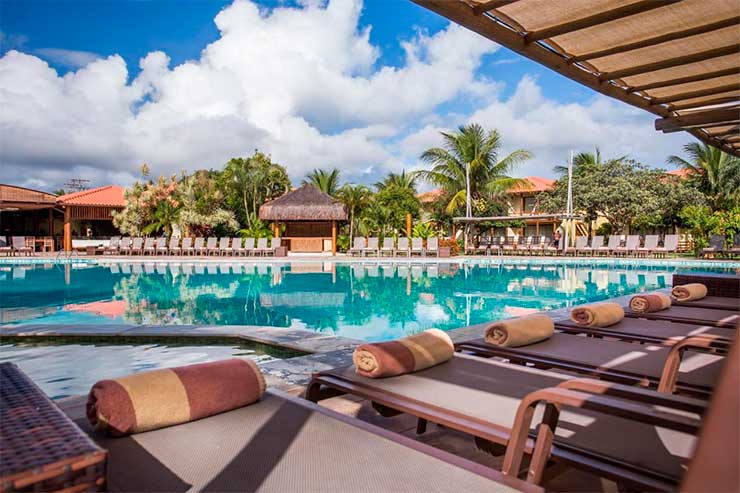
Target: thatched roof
pixel 306 203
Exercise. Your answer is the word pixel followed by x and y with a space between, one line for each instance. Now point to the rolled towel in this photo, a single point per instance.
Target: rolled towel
pixel 689 292
pixel 597 314
pixel 156 399
pixel 650 302
pixel 520 331
pixel 413 353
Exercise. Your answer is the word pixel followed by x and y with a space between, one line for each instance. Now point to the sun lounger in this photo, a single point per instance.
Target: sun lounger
pixel 199 247
pixel 212 246
pixel 523 247
pixel 274 245
pixel 403 246
pixel 149 246
pixel 611 246
pixel 692 315
pixel 20 247
pixel 261 248
pixel 417 247
pixel 283 443
pixel 224 246
pixel 484 246
pixel 649 331
pixel 712 302
pixel 174 247
pixel 236 246
pixel 734 250
pixel 482 398
pixel 670 245
pixel 630 246
pixel 113 245
pixel 161 246
pixel 581 247
pixel 651 243
pixel 372 246
pixel 597 243
pixel 388 247
pixel 538 246
pixel 187 246
pixel 5 249
pixel 616 361
pixel 248 246
pixel 716 246
pixel 137 244
pixel 433 246
pixel 358 244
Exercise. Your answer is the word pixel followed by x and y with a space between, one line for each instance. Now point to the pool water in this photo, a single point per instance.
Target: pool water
pixel 71 369
pixel 372 301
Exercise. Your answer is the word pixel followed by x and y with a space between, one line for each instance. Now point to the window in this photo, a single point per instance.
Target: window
pixel 530 204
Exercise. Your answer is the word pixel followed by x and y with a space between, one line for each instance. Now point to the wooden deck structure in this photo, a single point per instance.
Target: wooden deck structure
pixel 96 204
pixel 310 217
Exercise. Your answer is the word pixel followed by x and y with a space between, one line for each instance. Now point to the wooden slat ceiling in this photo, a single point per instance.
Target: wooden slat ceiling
pixel 678 59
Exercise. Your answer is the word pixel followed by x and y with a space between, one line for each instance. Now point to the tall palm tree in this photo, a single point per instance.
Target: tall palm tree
pixel 583 159
pixel 716 173
pixel 327 182
pixel 401 180
pixel 257 179
pixel 355 198
pixel 472 147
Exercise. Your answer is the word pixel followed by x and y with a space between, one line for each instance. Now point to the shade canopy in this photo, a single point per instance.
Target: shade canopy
pixel 306 203
pixel 13 198
pixel 678 59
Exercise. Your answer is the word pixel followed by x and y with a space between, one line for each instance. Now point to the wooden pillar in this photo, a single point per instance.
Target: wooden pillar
pixel 333 238
pixel 51 227
pixel 537 228
pixel 67 229
pixel 408 224
pixel 275 229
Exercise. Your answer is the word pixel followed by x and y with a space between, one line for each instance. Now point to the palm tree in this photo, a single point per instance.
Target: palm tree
pixel 355 198
pixel 479 150
pixel 327 182
pixel 256 179
pixel 401 180
pixel 165 216
pixel 583 159
pixel 716 173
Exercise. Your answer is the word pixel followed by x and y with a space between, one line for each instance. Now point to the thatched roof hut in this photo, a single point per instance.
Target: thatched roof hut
pixel 310 217
pixel 306 203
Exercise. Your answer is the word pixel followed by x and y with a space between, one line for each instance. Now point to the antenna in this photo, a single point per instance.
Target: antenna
pixel 77 184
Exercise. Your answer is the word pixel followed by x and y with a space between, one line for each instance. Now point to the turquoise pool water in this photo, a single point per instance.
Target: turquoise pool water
pixel 371 301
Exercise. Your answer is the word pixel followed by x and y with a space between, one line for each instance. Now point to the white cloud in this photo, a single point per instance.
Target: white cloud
pixel 67 58
pixel 300 83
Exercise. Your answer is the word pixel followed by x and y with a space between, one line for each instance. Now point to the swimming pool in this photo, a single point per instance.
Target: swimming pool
pixel 372 300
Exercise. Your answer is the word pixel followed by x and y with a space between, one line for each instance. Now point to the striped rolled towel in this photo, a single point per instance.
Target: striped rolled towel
pixel 597 314
pixel 156 399
pixel 650 302
pixel 689 292
pixel 515 332
pixel 413 353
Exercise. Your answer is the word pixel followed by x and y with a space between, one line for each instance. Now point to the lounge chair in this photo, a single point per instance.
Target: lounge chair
pixel 358 245
pixel 5 249
pixel 612 245
pixel 274 245
pixel 523 248
pixel 692 315
pixel 148 246
pixel 174 247
pixel 199 246
pixel 187 246
pixel 388 247
pixel 651 243
pixel 581 247
pixel 124 246
pixel 261 246
pixel 552 248
pixel 248 246
pixel 371 247
pixel 403 246
pixel 670 245
pixel 630 245
pixel 20 247
pixel 212 246
pixel 161 246
pixel 716 246
pixel 236 246
pixel 538 246
pixel 597 242
pixel 224 246
pixel 713 302
pixel 113 245
pixel 616 361
pixel 509 247
pixel 484 246
pixel 284 443
pixel 734 250
pixel 137 245
pixel 417 247
pixel 482 398
pixel 433 246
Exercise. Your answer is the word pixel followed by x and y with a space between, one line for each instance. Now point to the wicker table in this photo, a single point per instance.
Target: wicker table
pixel 42 449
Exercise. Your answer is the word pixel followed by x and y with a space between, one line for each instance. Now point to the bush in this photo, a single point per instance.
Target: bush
pixel 343 243
pixel 452 243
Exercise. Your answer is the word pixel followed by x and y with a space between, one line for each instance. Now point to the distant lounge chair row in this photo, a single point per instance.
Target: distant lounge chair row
pixel 389 248
pixel 544 245
pixel 719 246
pixel 18 246
pixel 532 245
pixel 191 246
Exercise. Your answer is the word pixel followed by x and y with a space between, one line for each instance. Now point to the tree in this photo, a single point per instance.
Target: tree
pixel 400 180
pixel 472 146
pixel 396 202
pixel 327 182
pixel 583 159
pixel 716 173
pixel 203 205
pixel 355 198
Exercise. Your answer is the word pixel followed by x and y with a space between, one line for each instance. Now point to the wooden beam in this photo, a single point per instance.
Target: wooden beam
pixel 596 19
pixel 685 80
pixel 663 38
pixel 698 119
pixel 67 241
pixel 734 138
pixel 706 102
pixel 491 5
pixel 672 62
pixel 730 131
pixel 696 94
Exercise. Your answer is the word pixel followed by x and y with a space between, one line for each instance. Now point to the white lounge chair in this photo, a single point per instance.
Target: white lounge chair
pixel 20 247
pixel 371 247
pixel 236 246
pixel 224 247
pixel 596 243
pixel 174 247
pixel 358 244
pixel 113 245
pixel 388 247
pixel 137 246
pixel 248 246
pixel 161 246
pixel 670 245
pixel 417 246
pixel 200 246
pixel 187 246
pixel 261 246
pixel 630 245
pixel 149 246
pixel 212 246
pixel 433 246
pixel 403 246
pixel 651 243
pixel 612 245
pixel 275 243
pixel 124 247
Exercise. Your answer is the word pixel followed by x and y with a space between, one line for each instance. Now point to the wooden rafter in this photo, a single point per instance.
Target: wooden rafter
pixel 697 94
pixel 716 117
pixel 686 80
pixel 672 62
pixel 663 38
pixel 705 102
pixel 596 19
pixel 491 5
pixel 733 132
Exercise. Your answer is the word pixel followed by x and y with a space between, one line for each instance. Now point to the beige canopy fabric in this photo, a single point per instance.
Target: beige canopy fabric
pixel 678 59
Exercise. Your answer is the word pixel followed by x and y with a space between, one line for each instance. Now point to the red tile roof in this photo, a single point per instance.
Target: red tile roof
pixel 536 184
pixel 108 196
pixel 681 172
pixel 430 196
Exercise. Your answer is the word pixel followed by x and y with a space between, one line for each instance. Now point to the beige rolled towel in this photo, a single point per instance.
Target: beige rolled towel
pixel 417 352
pixel 597 314
pixel 650 302
pixel 689 292
pixel 520 331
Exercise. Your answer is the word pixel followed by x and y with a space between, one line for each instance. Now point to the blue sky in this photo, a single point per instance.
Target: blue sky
pixel 502 88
